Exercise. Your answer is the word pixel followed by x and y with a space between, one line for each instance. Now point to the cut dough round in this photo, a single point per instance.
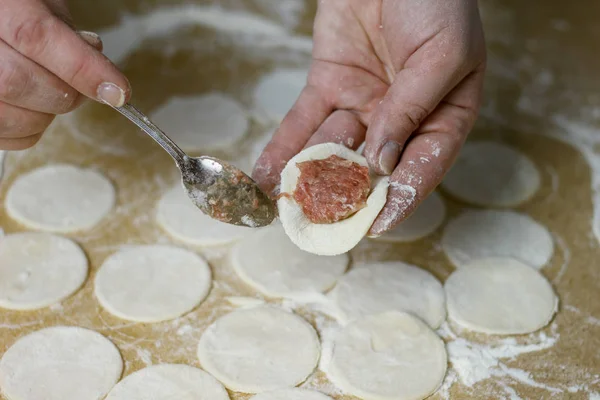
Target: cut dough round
pixel 257 350
pixel 423 222
pixel 482 234
pixel 38 270
pixel 60 363
pixel 152 283
pixel 338 237
pixel 272 264
pixel 277 92
pixel 388 356
pixel 169 382
pixel 180 218
pixel 60 198
pixel 379 287
pixel 500 296
pixel 291 394
pixel 492 174
pixel 212 121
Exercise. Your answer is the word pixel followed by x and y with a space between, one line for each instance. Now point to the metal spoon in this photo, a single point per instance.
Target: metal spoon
pixel 219 189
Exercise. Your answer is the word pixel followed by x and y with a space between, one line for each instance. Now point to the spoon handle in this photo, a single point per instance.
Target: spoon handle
pixel 144 123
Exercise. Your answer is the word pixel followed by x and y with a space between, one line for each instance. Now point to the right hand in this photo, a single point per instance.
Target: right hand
pixel 47 68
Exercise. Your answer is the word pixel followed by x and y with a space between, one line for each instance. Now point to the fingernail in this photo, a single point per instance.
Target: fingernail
pixel 111 94
pixel 389 155
pixel 90 37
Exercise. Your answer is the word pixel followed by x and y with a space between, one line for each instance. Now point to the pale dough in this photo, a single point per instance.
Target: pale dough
pixel 338 237
pixel 60 363
pixel 500 296
pixel 269 261
pixel 423 222
pixel 291 394
pixel 212 121
pixel 38 270
pixel 276 92
pixel 169 382
pixel 180 218
pixel 152 283
pixel 388 356
pixel 60 198
pixel 492 174
pixel 480 234
pixel 259 349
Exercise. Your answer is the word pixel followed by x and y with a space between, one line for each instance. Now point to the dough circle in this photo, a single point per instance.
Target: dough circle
pixel 60 198
pixel 38 270
pixel 259 349
pixel 327 239
pixel 152 283
pixel 277 91
pixel 169 382
pixel 213 121
pixel 424 221
pixel 291 394
pixel 492 174
pixel 388 356
pixel 60 363
pixel 500 296
pixel 489 233
pixel 269 261
pixel 181 219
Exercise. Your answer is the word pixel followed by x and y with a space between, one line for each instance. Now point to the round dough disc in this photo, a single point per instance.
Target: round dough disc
pixel 38 270
pixel 212 121
pixel 500 296
pixel 60 198
pixel 272 264
pixel 388 356
pixel 327 239
pixel 481 234
pixel 60 363
pixel 379 287
pixel 492 174
pixel 423 222
pixel 181 219
pixel 277 92
pixel 169 382
pixel 152 283
pixel 291 394
pixel 257 350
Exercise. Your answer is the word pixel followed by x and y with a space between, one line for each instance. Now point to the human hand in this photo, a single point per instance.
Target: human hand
pixel 46 68
pixel 407 75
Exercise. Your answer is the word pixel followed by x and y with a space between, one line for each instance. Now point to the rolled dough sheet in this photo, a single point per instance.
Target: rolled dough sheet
pixel 291 394
pixel 259 349
pixel 276 92
pixel 60 198
pixel 60 363
pixel 152 283
pixel 38 270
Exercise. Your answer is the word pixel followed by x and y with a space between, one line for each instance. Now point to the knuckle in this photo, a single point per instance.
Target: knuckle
pixel 12 80
pixel 31 35
pixel 414 115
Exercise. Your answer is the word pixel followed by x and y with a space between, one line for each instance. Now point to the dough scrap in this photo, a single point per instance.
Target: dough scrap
pixel 169 382
pixel 277 91
pixel 489 233
pixel 257 350
pixel 181 219
pixel 38 270
pixel 378 287
pixel 60 198
pixel 327 239
pixel 388 356
pixel 500 296
pixel 269 261
pixel 291 394
pixel 492 174
pixel 60 363
pixel 213 121
pixel 424 221
pixel 152 283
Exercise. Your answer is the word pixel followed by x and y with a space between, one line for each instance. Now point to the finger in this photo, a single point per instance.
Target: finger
pixel 341 127
pixel 39 35
pixel 305 117
pixel 20 143
pixel 91 38
pixel 18 123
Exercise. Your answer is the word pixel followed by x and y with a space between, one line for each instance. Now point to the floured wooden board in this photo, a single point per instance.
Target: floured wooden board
pixel 561 361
